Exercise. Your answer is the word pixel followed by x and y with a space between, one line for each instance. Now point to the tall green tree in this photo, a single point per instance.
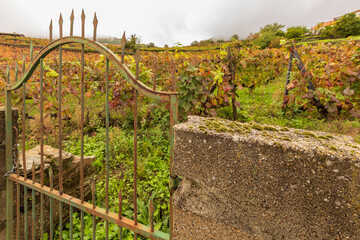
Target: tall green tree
pixel 348 25
pixel 275 28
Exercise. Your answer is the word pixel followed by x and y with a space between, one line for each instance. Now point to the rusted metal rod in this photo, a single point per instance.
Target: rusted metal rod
pixel 42 146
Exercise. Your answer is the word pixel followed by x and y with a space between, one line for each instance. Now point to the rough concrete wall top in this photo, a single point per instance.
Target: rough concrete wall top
pixel 271 182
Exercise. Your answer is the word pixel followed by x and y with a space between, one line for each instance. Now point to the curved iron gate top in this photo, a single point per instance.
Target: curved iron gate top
pixel 58 195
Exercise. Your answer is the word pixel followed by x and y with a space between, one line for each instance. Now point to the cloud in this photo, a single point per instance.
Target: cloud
pixel 169 21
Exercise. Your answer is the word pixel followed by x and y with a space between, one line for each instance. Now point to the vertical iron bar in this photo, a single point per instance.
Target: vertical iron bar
pixel 173 121
pixel 33 204
pixel 173 75
pixel 107 145
pixel 60 126
pixel 17 185
pixel 24 157
pixel 155 66
pixel 33 191
pixel 151 208
pixel 23 133
pixel 42 146
pixel 60 219
pixel 82 136
pixel 51 204
pixel 18 210
pixel 137 60
pixel 82 126
pixel 24 165
pixel 60 134
pixel 71 222
pixel 94 206
pixel 120 213
pixel 9 162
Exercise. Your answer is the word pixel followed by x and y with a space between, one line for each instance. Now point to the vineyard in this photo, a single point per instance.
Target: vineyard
pixel 233 80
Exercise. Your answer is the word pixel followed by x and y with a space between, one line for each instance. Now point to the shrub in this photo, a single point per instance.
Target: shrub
pixel 265 39
pixel 327 32
pixel 295 32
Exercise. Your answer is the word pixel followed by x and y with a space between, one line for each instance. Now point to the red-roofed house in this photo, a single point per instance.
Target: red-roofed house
pixel 322 25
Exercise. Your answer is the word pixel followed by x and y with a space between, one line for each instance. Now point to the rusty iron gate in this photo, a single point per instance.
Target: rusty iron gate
pixel 13 162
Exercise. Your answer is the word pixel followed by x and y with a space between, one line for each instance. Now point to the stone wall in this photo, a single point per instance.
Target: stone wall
pixel 251 181
pixel 3 167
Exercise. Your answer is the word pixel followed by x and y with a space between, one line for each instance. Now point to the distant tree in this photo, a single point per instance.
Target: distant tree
pixel 296 31
pixel 275 28
pixel 220 41
pixel 194 43
pixel 150 45
pixel 235 37
pixel 166 46
pixel 348 25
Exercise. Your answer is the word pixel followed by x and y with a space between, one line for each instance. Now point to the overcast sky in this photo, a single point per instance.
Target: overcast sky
pixel 168 21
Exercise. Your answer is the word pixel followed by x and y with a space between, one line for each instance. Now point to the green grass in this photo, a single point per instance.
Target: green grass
pixel 263 105
pixel 356 38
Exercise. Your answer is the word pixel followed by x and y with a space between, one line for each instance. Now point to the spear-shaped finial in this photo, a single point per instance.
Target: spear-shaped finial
pixel 83 23
pixel 60 25
pixel 95 22
pixel 123 42
pixel 72 23
pixel 50 31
